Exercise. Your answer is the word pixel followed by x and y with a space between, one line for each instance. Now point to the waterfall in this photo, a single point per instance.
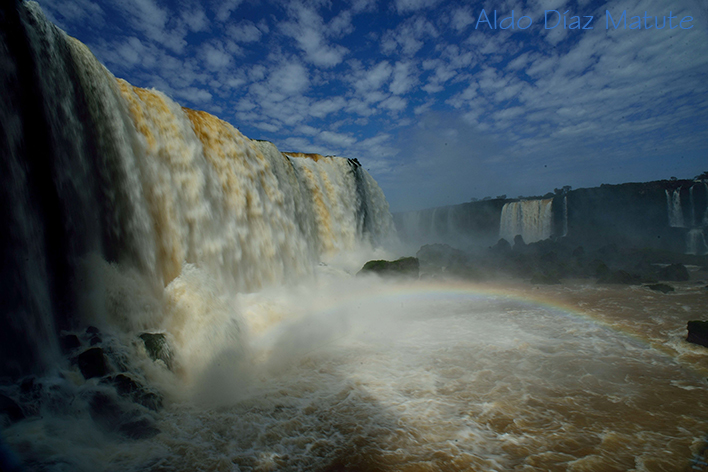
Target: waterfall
pixel 673 204
pixel 451 228
pixel 565 216
pixel 704 219
pixel 696 242
pixel 532 219
pixel 692 205
pixel 433 233
pixel 100 178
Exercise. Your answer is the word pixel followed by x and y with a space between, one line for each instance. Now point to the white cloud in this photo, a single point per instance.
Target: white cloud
pixel 66 12
pixel 325 107
pixel 403 78
pixel 337 139
pixel 266 127
pixel 461 18
pixel 308 30
pixel 224 8
pixel 245 32
pixel 394 103
pixel 290 79
pixel 195 19
pixel 407 6
pixel 215 57
pixel 372 79
pixel 193 94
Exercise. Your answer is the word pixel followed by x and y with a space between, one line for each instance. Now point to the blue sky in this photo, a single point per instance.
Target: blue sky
pixel 437 110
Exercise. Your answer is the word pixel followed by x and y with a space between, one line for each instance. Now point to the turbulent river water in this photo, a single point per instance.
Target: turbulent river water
pixel 420 376
pixel 129 218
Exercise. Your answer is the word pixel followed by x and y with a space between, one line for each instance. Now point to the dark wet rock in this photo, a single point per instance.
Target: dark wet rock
pixel 107 411
pixel 95 340
pixel 141 428
pixel 609 250
pixel 698 332
pixel 674 272
pixel 92 330
pixel 579 252
pixel 69 342
pixel 28 385
pixel 599 268
pixel 519 243
pixel 150 400
pixel 405 266
pixel 663 288
pixel 545 279
pixel 550 257
pixel 501 247
pixel 157 347
pixel 124 384
pixel 128 387
pixel 10 409
pixel 116 416
pixel 620 277
pixel 92 363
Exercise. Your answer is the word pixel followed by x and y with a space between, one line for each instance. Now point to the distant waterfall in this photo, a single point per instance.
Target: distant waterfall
pixel 704 219
pixel 565 216
pixel 532 219
pixel 100 177
pixel 696 242
pixel 692 206
pixel 673 204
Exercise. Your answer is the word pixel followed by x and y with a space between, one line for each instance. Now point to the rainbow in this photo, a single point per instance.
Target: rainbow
pixel 520 294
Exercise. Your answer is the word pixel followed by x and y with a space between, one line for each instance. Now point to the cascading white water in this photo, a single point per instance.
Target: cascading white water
pixel 692 205
pixel 126 211
pixel 532 219
pixel 696 242
pixel 150 187
pixel 673 205
pixel 565 216
pixel 704 219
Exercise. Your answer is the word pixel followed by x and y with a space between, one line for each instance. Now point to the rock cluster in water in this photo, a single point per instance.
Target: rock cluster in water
pixel 403 267
pixel 113 392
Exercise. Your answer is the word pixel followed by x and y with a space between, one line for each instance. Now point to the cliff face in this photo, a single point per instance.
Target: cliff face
pixel 661 214
pixel 628 214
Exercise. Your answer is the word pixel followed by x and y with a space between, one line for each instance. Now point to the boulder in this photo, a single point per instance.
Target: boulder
pixel 405 266
pixel 663 288
pixel 10 410
pixel 157 347
pixel 128 387
pixel 92 363
pixel 599 268
pixel 501 247
pixel 698 332
pixel 140 428
pixel 620 277
pixel 116 416
pixel 69 342
pixel 674 272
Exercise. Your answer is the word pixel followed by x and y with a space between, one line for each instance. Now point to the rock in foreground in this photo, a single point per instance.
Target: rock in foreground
pixel 698 332
pixel 405 267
